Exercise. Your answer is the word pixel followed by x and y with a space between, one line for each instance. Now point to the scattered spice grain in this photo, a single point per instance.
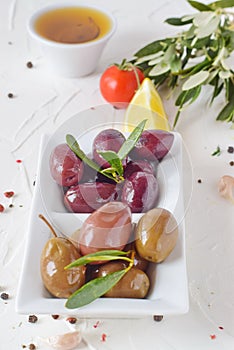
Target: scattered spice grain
pixel 2 208
pixel 4 296
pixel 231 162
pixel 9 194
pixel 96 324
pixel 18 161
pixel 217 152
pixel 32 346
pixel 158 318
pixel 11 205
pixel 212 336
pixel 29 64
pixel 199 181
pixel 10 95
pixel 55 317
pixel 71 320
pixel 230 149
pixel 103 337
pixel 32 318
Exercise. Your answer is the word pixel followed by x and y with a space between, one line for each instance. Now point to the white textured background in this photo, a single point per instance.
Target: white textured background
pixel 41 103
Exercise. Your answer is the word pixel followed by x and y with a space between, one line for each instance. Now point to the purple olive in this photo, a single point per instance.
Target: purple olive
pixel 87 197
pixel 140 192
pixel 153 144
pixel 65 167
pixel 138 165
pixel 107 140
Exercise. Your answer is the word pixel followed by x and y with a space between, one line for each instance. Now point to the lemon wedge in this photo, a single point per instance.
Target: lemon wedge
pixel 146 104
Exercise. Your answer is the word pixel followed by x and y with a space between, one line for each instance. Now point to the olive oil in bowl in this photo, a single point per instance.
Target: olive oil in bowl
pixel 71 38
pixel 73 25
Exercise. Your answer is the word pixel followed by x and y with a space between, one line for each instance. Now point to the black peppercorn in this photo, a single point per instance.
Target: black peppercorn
pixel 55 317
pixel 10 95
pixel 230 149
pixel 29 64
pixel 32 319
pixel 72 320
pixel 158 318
pixel 4 296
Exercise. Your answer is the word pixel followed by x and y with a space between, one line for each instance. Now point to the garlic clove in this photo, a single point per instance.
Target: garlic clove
pixel 67 341
pixel 226 186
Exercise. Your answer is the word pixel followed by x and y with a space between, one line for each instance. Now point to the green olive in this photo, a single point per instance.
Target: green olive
pixel 156 235
pixel 134 284
pixel 56 254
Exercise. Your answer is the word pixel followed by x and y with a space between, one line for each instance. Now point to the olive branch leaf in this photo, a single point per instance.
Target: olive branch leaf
pixel 196 57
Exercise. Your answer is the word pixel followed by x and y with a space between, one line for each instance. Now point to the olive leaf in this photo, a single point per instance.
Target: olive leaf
pixel 203 18
pixel 155 60
pixel 175 64
pixel 221 4
pixel 159 69
pixel 132 139
pixel 227 113
pixel 225 74
pixel 212 76
pixel 188 96
pixel 74 146
pixel 113 159
pixel 156 46
pixel 208 27
pixel 115 172
pixel 199 6
pixel 94 289
pixel 217 89
pixel 101 255
pixel 195 80
pixel 150 57
pixel 196 68
pixel 98 286
pixel 175 21
pixel 208 41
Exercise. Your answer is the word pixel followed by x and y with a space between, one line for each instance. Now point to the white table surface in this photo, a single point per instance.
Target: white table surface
pixel 41 103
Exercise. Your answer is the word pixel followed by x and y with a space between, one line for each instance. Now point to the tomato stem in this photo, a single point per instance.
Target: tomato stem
pixel 125 65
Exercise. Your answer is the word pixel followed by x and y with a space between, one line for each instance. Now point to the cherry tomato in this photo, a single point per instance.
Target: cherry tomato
pixel 119 83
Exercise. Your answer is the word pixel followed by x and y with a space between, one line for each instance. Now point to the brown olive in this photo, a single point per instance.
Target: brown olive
pixel 56 254
pixel 109 227
pixel 138 261
pixel 134 284
pixel 96 271
pixel 156 235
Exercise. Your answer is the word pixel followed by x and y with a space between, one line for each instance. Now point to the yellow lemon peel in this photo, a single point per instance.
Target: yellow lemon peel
pixel 146 104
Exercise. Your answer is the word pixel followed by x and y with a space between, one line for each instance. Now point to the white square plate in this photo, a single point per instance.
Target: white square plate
pixel 169 291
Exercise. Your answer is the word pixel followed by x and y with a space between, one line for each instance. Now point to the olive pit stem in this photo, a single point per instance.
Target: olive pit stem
pixel 48 224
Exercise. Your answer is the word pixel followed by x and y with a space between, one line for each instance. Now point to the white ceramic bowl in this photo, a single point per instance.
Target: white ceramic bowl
pixel 71 60
pixel 168 293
